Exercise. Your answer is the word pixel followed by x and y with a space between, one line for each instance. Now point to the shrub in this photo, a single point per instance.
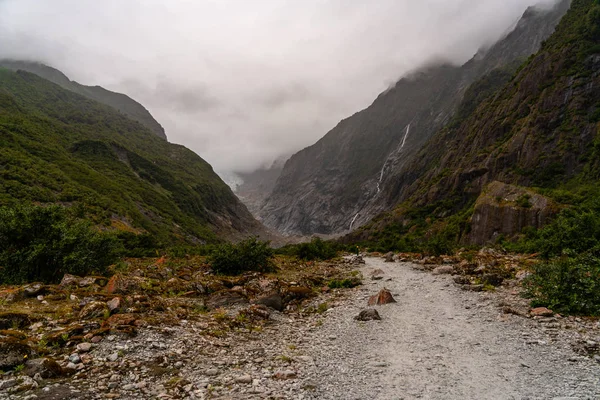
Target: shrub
pixel 43 243
pixel 316 249
pixel 569 285
pixel 248 255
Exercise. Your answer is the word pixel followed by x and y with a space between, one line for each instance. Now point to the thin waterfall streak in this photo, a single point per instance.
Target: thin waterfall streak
pixel 353 220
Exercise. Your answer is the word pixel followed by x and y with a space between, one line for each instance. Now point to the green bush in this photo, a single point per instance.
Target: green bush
pixel 43 243
pixel 569 285
pixel 248 255
pixel 316 249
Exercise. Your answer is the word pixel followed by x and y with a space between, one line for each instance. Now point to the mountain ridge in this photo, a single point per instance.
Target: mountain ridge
pixel 119 101
pixel 336 183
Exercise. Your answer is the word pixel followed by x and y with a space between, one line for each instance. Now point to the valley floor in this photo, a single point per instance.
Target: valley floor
pixel 436 342
pixel 439 342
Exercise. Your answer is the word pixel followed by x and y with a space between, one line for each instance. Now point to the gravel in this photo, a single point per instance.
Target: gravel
pixel 436 342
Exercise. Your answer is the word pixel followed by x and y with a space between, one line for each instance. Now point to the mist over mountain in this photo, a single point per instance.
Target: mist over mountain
pixel 340 182
pixel 241 83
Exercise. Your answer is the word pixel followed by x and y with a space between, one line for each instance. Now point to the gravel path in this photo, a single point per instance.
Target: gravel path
pixel 439 342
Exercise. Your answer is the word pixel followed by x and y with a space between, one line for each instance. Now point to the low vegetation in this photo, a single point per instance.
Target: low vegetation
pixel 44 243
pixel 316 249
pixel 248 255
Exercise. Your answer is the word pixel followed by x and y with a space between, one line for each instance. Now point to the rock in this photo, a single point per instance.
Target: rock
pixel 121 284
pixel 114 305
pixel 14 320
pixel 74 358
pixel 443 270
pixel 95 309
pixel 69 280
pixel 226 298
pixel 383 297
pixel 12 295
pixel 7 384
pixel 286 374
pixel 356 260
pixel 368 315
pixel 244 379
pixel 13 353
pixel 492 279
pixel 274 301
pixel 45 367
pixel 211 372
pixel 297 292
pixel 258 311
pixel 113 357
pixel 34 289
pixel 508 216
pixel 541 312
pixel 84 347
pixel 389 257
pixel 377 274
pixel 472 288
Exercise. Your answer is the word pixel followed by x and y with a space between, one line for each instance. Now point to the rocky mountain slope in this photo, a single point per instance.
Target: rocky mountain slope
pixel 121 102
pixel 257 185
pixel 539 130
pixel 342 181
pixel 57 146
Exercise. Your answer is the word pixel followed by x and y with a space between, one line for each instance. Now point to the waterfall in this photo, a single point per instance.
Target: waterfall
pixel 353 220
pixel 405 136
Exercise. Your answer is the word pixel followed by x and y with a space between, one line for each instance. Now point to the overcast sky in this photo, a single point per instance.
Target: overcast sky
pixel 241 82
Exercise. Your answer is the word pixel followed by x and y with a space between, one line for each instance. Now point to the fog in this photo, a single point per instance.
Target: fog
pixel 241 82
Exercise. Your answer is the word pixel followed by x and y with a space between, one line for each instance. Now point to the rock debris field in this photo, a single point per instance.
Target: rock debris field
pixel 436 342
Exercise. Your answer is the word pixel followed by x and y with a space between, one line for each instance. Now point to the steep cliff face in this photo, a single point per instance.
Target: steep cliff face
pixel 343 180
pixel 540 130
pixel 121 102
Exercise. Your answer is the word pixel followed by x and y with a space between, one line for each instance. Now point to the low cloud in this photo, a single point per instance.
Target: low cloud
pixel 242 82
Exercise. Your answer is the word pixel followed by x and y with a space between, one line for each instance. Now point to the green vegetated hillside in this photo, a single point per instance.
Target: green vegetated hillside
pixel 534 138
pixel 58 147
pixel 119 101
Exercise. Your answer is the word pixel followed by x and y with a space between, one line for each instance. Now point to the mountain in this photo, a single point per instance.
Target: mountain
pixel 257 185
pixel 524 152
pixel 340 182
pixel 121 102
pixel 57 146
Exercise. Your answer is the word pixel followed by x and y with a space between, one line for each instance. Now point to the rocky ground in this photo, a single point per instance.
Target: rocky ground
pixel 444 338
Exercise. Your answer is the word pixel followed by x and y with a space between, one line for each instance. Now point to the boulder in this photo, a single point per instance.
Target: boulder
pixel 94 309
pixel 377 274
pixel 541 312
pixel 226 298
pixel 274 301
pixel 13 353
pixel 14 320
pixel 443 270
pixel 369 314
pixel 357 260
pixel 114 305
pixel 383 297
pixel 389 257
pixel 504 209
pixel 121 284
pixel 46 367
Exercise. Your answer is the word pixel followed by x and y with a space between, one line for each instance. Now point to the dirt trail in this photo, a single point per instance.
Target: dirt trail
pixel 439 342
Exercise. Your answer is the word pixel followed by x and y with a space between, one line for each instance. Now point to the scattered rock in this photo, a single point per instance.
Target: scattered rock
pixel 244 379
pixel 226 298
pixel 368 315
pixel 114 305
pixel 94 309
pixel 274 301
pixel 84 347
pixel 443 270
pixel 45 367
pixel 377 275
pixel 14 320
pixel 13 353
pixel 383 297
pixel 541 312
pixel 389 257
pixel 286 374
